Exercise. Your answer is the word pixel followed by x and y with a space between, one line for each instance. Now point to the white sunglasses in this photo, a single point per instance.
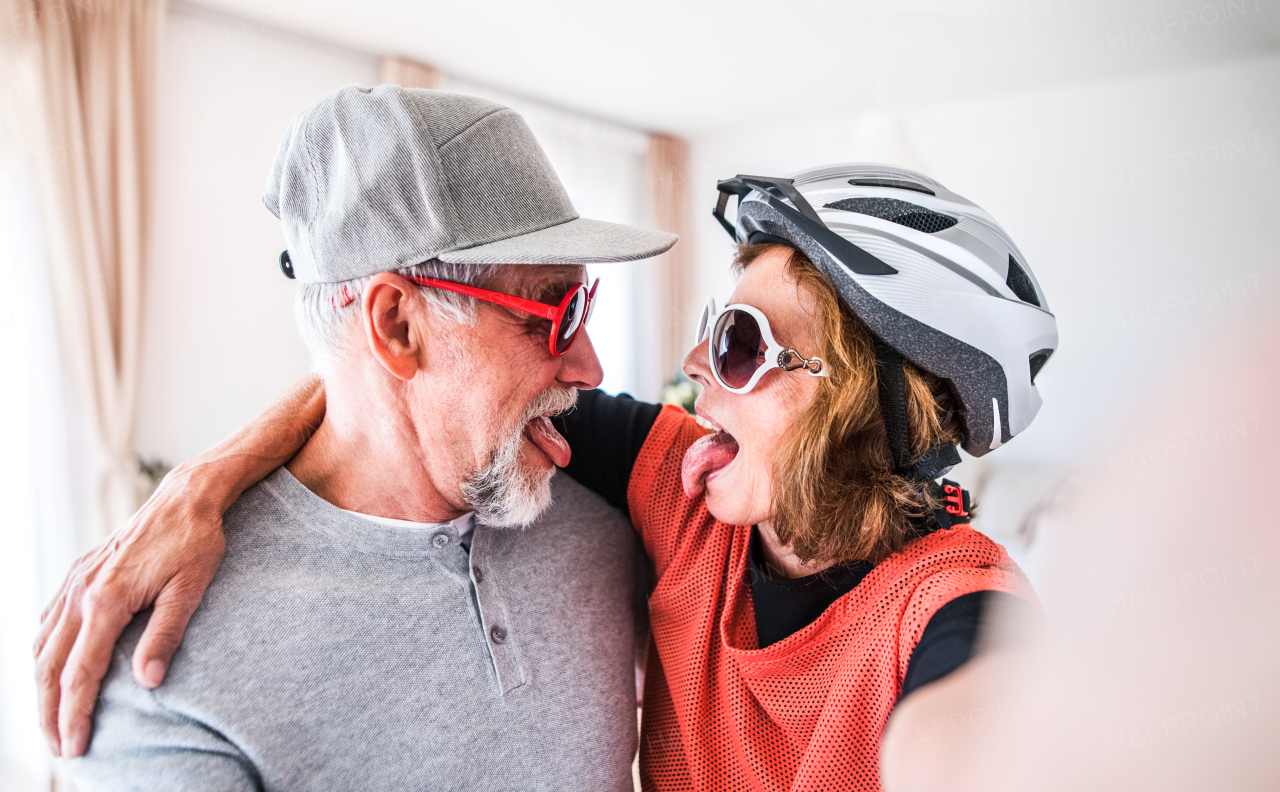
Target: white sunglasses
pixel 742 347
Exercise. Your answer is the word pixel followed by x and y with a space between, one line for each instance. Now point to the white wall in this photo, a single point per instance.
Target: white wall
pixel 1147 208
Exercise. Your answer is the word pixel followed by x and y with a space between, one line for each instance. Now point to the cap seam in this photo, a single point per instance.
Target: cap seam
pixel 423 126
pixel 315 186
pixel 454 136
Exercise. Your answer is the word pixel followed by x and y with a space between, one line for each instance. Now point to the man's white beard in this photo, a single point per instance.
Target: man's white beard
pixel 506 493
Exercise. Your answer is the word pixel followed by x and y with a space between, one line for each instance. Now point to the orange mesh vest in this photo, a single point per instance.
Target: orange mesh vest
pixel 808 712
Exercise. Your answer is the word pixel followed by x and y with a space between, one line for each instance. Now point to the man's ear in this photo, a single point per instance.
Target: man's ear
pixel 393 316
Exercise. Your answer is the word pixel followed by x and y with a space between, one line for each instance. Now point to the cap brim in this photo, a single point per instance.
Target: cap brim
pixel 575 242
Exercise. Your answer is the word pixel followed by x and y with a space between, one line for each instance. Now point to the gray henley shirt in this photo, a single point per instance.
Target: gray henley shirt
pixel 334 653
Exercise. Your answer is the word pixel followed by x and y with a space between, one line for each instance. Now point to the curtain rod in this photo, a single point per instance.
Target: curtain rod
pixel 265 24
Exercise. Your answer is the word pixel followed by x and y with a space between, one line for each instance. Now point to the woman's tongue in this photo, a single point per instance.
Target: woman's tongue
pixel 706 455
pixel 542 434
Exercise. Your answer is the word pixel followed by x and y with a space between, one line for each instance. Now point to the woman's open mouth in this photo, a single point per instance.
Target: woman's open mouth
pixel 705 458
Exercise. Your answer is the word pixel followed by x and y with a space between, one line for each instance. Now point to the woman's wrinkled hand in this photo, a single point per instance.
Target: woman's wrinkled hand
pixel 164 557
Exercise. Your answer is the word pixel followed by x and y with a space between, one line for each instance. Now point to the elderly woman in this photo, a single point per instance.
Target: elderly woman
pixel 810 570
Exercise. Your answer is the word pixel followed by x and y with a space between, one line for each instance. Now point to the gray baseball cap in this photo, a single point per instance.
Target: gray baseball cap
pixel 371 180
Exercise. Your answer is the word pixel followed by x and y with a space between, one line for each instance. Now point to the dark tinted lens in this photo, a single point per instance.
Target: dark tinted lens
pixel 736 348
pixel 570 322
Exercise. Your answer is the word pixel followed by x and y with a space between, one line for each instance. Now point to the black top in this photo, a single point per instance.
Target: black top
pixel 606 433
pixel 787 605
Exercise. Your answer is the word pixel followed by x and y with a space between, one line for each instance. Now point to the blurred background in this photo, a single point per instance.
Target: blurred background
pixel 1128 146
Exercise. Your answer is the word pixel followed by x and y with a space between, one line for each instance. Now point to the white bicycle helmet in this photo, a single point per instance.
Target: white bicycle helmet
pixel 933 276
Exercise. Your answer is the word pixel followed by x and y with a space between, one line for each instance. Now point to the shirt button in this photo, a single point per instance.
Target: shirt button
pixel 475 573
pixel 440 540
pixel 498 635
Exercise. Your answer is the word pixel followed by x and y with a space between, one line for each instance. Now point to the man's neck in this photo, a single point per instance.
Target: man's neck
pixel 370 456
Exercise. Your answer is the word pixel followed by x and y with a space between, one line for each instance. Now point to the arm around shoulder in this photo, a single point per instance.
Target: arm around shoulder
pixel 165 556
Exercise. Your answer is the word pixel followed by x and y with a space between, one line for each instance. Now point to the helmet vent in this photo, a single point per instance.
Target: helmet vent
pixel 900 212
pixel 1020 283
pixel 1037 362
pixel 897 184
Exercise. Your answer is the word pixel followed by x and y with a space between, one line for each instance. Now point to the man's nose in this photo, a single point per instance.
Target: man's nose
pixel 580 368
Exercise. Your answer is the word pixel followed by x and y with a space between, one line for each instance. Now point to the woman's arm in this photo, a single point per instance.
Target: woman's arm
pixel 978 729
pixel 164 557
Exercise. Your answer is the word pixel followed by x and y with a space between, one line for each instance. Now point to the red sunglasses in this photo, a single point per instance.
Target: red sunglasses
pixel 567 318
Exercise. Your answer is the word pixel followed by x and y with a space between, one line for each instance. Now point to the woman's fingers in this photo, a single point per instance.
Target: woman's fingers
pixel 55 604
pixel 165 556
pixel 52 657
pixel 173 610
pixel 167 553
pixel 106 614
pixel 48 621
pixel 59 628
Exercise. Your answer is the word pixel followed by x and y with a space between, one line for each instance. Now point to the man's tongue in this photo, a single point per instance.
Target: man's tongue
pixel 542 434
pixel 706 455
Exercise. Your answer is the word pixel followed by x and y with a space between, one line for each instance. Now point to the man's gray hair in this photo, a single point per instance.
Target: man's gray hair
pixel 325 312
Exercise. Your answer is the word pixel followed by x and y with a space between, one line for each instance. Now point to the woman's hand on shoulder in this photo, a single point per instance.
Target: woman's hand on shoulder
pixel 164 557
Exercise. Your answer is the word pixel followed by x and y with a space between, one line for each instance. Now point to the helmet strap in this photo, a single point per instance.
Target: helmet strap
pixel 891 386
pixel 935 462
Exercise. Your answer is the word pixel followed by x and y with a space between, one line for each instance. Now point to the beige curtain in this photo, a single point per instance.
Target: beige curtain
pixel 667 163
pixel 88 76
pixel 407 73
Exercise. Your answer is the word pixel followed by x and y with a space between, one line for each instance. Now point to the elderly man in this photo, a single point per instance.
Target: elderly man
pixel 378 621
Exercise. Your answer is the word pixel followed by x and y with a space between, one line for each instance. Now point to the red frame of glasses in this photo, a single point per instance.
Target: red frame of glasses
pixel 554 313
